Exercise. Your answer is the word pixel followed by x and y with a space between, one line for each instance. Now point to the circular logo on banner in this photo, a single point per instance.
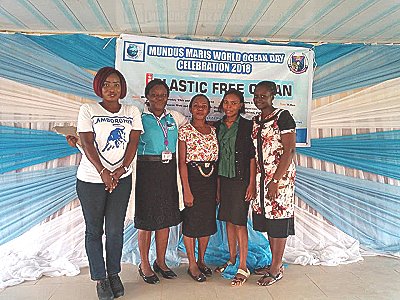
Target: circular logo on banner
pixel 297 62
pixel 132 51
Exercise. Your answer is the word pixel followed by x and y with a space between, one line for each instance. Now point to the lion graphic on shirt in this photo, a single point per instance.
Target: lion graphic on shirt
pixel 115 139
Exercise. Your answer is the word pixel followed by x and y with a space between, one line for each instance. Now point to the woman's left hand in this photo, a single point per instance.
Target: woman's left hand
pixel 117 173
pixel 272 192
pixel 250 192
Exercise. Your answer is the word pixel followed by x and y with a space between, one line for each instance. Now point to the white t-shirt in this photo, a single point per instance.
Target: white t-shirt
pixel 111 137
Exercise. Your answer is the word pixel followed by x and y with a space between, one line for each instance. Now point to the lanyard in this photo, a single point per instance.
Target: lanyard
pixel 164 130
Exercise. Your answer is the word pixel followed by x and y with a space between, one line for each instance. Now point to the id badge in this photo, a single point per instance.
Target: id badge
pixel 166 156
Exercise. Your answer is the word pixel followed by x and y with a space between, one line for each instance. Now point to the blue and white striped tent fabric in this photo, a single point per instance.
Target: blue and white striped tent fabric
pixel 348 182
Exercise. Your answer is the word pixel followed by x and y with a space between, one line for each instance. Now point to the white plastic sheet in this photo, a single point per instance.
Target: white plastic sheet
pixel 54 248
pixel 318 243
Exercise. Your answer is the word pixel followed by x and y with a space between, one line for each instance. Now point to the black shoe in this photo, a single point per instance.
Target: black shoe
pixel 104 291
pixel 205 270
pixel 116 286
pixel 169 274
pixel 199 278
pixel 153 279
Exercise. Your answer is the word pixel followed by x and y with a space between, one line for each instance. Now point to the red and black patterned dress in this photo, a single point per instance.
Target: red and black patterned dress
pixel 201 156
pixel 267 140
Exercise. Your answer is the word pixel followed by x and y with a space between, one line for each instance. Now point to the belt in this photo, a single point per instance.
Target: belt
pixel 152 157
pixel 201 165
pixel 205 164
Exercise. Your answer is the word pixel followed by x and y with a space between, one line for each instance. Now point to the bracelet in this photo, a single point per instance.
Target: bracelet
pixel 101 172
pixel 125 168
pixel 274 180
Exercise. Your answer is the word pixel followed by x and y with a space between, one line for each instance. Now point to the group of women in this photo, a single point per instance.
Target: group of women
pixel 234 163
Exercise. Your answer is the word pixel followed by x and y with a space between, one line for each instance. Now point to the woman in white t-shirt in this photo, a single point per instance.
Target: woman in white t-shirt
pixel 109 134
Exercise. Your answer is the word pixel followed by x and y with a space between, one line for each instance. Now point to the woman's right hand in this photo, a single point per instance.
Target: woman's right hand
pixel 117 173
pixel 250 192
pixel 71 140
pixel 108 180
pixel 188 199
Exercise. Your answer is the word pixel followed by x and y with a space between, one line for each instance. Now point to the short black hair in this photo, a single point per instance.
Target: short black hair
pixel 154 83
pixel 199 95
pixel 269 85
pixel 237 93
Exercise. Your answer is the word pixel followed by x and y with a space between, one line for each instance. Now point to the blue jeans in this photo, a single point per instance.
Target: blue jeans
pixel 99 207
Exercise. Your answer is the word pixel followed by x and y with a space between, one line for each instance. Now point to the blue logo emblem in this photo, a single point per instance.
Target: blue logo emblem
pixel 115 139
pixel 170 125
pixel 134 51
pixel 297 63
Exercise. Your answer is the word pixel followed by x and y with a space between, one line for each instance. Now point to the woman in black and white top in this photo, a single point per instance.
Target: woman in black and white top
pixel 274 137
pixel 109 134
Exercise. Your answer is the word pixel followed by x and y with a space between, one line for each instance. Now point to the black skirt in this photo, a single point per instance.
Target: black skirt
pixel 200 220
pixel 276 228
pixel 233 208
pixel 156 197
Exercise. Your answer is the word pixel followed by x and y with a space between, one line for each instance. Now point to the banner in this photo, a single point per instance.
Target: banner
pixel 212 68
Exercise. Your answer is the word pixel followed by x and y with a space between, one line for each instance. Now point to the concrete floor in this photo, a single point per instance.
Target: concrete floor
pixel 374 278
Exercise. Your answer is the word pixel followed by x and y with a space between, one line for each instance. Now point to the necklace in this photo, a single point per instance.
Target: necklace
pixel 204 174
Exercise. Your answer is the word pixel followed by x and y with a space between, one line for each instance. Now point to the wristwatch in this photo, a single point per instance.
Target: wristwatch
pixel 274 180
pixel 125 168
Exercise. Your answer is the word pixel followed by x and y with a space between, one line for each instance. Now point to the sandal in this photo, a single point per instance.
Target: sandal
pixel 239 281
pixel 222 268
pixel 265 270
pixel 275 278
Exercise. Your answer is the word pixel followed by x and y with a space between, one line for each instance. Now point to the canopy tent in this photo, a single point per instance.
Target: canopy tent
pixel 356 21
pixel 348 183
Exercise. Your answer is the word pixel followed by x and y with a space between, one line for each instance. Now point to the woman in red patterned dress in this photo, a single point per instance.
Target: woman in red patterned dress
pixel 274 137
